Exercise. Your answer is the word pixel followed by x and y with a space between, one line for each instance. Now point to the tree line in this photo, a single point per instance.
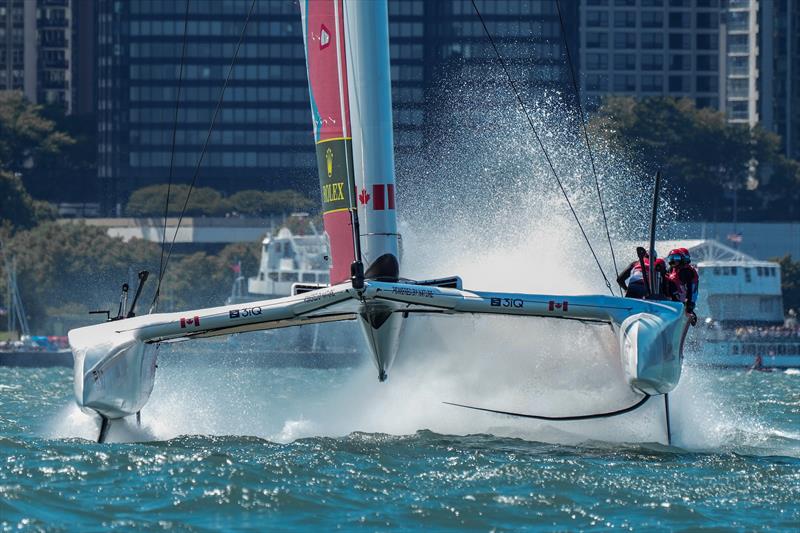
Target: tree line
pixel 205 201
pixel 72 268
pixel 705 159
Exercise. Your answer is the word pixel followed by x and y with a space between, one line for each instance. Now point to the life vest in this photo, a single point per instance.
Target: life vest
pixel 680 287
pixel 636 272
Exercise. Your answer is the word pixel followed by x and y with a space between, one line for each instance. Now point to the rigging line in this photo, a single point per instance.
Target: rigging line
pixel 172 154
pixel 592 416
pixel 205 147
pixel 541 145
pixel 585 133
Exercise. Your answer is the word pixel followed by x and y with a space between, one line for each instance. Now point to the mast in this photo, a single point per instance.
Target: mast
pixel 654 290
pixel 326 62
pixel 347 57
pixel 369 79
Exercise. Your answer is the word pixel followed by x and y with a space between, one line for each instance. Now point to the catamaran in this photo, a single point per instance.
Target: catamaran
pixel 347 54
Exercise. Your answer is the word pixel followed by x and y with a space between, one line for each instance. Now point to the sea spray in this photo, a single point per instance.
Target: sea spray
pixel 481 202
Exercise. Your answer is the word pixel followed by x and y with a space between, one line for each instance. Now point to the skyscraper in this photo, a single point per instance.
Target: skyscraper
pixel 650 48
pixel 262 138
pixel 781 76
pixel 47 51
pixel 739 56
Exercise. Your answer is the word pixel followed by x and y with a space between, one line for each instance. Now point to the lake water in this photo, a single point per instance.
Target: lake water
pixel 252 448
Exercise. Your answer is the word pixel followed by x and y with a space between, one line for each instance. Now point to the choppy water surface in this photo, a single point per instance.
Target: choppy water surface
pixel 736 462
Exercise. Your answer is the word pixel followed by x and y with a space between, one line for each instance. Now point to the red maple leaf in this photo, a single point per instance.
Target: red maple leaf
pixel 363 197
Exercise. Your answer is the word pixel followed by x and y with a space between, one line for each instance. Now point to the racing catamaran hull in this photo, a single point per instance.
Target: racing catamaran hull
pixel 115 361
pixel 346 45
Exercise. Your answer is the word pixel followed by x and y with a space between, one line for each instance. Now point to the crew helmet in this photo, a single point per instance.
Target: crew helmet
pixel 678 257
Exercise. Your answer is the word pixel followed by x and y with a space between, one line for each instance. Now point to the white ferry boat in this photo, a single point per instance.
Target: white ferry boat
pixel 288 259
pixel 740 305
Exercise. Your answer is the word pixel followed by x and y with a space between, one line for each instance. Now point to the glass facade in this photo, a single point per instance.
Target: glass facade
pixel 40 51
pixel 786 87
pixel 650 48
pixel 12 45
pixel 262 138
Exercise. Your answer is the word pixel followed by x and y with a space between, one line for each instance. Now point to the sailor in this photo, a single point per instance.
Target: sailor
pixel 683 280
pixel 636 278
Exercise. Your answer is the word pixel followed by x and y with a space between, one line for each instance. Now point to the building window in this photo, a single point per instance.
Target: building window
pixel 596 61
pixel 652 41
pixel 707 84
pixel 679 62
pixel 679 84
pixel 596 40
pixel 679 19
pixel 624 62
pixel 707 62
pixel 707 41
pixel 624 40
pixel 738 88
pixel 625 19
pixel 737 44
pixel 597 19
pixel 597 82
pixel 652 19
pixel 652 83
pixel 652 62
pixel 738 20
pixel 704 21
pixel 679 41
pixel 625 83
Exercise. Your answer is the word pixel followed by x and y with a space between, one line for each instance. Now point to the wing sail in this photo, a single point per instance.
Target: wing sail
pixel 326 62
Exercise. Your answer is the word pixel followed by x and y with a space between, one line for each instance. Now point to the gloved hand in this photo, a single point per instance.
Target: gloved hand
pixel 692 318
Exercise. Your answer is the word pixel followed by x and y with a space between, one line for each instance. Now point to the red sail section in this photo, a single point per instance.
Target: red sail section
pixel 323 26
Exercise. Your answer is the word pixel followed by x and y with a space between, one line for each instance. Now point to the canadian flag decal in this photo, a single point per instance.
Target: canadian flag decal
pixel 562 306
pixel 193 321
pixel 383 196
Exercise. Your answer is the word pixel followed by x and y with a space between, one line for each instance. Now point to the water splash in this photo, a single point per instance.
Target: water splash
pixel 480 203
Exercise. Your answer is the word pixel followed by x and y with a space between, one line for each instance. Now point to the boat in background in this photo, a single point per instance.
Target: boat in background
pixel 29 350
pixel 289 258
pixel 36 351
pixel 740 305
pixel 347 57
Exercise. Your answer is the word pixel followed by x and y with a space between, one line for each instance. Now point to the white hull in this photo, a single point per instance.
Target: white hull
pixel 114 378
pixel 115 361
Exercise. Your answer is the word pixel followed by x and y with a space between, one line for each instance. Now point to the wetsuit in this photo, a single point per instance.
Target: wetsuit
pixel 684 281
pixel 636 286
pixel 633 275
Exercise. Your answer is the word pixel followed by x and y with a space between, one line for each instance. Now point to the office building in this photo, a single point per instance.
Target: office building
pixel 650 48
pixel 781 76
pixel 739 56
pixel 262 138
pixel 47 51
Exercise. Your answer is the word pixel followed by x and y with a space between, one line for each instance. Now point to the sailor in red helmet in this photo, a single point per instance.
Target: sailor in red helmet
pixel 683 280
pixel 636 276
